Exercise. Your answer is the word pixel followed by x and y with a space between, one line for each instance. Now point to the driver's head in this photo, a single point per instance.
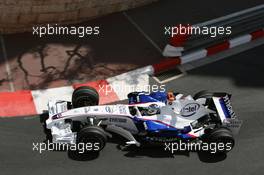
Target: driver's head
pixel 170 96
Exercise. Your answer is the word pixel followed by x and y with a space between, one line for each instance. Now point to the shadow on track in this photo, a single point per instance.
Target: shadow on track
pixel 84 156
pixel 158 152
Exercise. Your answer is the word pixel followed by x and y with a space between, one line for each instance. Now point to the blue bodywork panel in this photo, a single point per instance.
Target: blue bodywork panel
pixel 159 128
pixel 144 97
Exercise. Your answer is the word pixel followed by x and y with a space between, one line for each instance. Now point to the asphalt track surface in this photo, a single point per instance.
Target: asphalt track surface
pixel 236 74
pixel 241 75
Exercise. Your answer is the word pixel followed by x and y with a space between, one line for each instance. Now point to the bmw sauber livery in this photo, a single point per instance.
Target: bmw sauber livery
pixel 156 117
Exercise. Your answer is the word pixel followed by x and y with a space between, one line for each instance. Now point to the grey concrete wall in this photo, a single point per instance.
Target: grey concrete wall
pixel 21 15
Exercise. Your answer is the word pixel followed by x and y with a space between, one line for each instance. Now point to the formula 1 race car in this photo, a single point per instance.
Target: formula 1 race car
pixel 156 117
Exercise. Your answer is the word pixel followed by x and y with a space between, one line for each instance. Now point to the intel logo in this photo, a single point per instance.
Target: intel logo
pixel 190 109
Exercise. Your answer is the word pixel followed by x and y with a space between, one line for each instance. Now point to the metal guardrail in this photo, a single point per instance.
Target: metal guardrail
pixel 242 22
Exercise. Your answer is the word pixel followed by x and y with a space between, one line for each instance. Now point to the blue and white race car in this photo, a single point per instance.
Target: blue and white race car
pixel 148 118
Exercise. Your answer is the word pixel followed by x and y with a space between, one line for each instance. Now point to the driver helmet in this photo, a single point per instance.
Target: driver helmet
pixel 170 97
pixel 153 109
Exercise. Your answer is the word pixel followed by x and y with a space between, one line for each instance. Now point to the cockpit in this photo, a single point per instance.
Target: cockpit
pixel 152 109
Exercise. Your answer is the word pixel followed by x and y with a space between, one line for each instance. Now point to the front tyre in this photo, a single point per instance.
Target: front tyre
pixel 85 96
pixel 92 137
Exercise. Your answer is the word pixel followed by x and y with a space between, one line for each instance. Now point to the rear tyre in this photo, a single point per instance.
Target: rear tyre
pixel 223 140
pixel 84 96
pixel 203 94
pixel 208 98
pixel 93 137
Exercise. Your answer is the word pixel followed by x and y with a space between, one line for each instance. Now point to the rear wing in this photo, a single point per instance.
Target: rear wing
pixel 224 107
pixel 226 113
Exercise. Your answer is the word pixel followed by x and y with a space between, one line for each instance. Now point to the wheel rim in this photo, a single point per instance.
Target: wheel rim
pixel 84 101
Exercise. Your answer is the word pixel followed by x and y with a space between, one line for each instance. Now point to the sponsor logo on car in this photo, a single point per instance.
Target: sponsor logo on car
pixel 122 110
pixel 109 109
pixel 190 109
pixel 118 120
pixel 86 109
pixel 229 107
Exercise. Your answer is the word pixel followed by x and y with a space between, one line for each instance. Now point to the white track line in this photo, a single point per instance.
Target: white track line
pixel 142 32
pixel 125 83
pixel 7 66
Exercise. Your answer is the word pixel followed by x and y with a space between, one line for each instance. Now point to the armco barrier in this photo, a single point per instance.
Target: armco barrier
pixel 249 21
